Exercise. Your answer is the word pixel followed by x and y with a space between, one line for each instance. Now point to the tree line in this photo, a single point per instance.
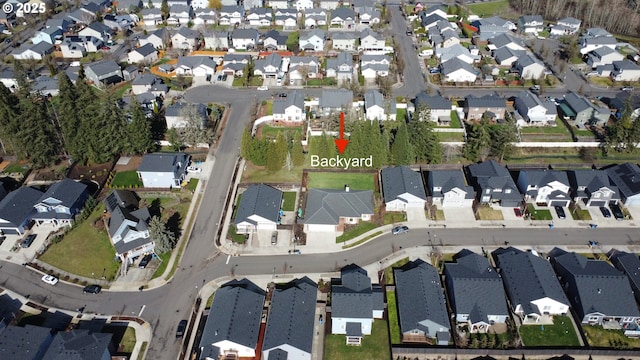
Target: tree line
pixel 485 140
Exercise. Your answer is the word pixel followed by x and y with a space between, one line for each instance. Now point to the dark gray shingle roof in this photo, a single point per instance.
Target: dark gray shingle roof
pixel 626 176
pixel 354 296
pixel 28 342
pixel 327 206
pixel 491 175
pixel 447 180
pixel 401 180
pixel 164 162
pixel 593 180
pixel 433 102
pixel 66 191
pixel 78 345
pixel 261 200
pixel 18 205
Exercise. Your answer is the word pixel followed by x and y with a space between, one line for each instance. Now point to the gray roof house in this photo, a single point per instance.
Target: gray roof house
pixel 592 187
pixel 506 56
pixel 402 188
pixel 531 285
pixel 328 210
pixel 128 225
pixel 17 210
pixel 60 203
pixel 312 40
pixel 506 40
pixel 355 303
pixel 259 209
pixel 290 108
pixel 579 111
pixel 449 189
pixel 175 114
pixel 80 344
pixel 627 178
pixel 163 170
pixel 376 107
pixel 439 108
pixel 234 320
pixel 422 308
pixel 628 263
pixel 493 105
pixel 530 23
pixel 550 187
pixel 291 320
pixel 493 26
pixel 493 184
pixel 534 110
pixel 340 67
pixel 456 70
pixel 599 293
pixel 27 342
pixel 269 67
pixel 343 16
pixel 103 72
pixel 475 291
pixel 336 100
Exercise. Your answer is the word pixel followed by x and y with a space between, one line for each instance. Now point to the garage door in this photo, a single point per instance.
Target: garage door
pixel 452 203
pixel 563 203
pixel 597 203
pixel 415 204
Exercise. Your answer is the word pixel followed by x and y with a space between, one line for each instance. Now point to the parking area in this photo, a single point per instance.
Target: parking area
pixel 265 239
pixel 509 214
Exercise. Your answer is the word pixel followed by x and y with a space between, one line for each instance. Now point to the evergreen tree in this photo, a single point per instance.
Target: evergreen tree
pixel 9 122
pixel 297 154
pixel 259 151
pixel 502 138
pixel 273 161
pixel 246 144
pixel 164 9
pixel 282 148
pixel 36 132
pixel 425 142
pixel 140 135
pixel 162 237
pixel 478 140
pixel 325 144
pixel 67 114
pixel 401 150
pixel 386 144
pixel 174 139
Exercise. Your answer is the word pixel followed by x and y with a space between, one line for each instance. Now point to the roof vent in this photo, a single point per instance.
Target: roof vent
pixel 599 291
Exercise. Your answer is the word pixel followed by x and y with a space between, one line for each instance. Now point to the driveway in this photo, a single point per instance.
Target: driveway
pixel 460 217
pixel 416 215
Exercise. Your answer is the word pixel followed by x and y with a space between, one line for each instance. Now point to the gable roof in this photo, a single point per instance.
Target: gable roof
pixel 306 35
pixel 244 34
pixel 369 32
pixel 293 99
pixel 344 35
pixel 505 39
pixel 291 315
pixel 626 176
pixel 593 180
pixel 18 204
pixel 527 278
pixel 456 64
pixel 66 191
pixel 261 200
pixel 336 98
pixel 146 49
pixel 448 180
pixel 353 296
pixel 506 52
pixel 234 316
pixel 327 206
pixel 401 180
pixel 28 342
pixel 121 198
pixel 78 344
pixel 103 67
pixel 342 13
pixel 486 101
pixel 434 102
pixel 186 32
pixel 164 162
pixel 273 59
pixel 629 263
pixel 542 177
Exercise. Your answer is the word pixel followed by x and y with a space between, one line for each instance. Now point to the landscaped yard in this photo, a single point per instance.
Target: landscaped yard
pixel 269 108
pixel 123 336
pixel 240 81
pixel 487 213
pixel 450 136
pixel 236 238
pixel 561 333
pixel 272 131
pixel 374 346
pixel 599 337
pixel 358 230
pixel 320 82
pixel 394 217
pixel 388 272
pixel 289 203
pixel 337 180
pixel 259 174
pixel 489 9
pixel 193 183
pixel 126 179
pixel 539 214
pixel 86 250
pixel 401 114
pixel 455 120
pixel 580 214
pixel 394 324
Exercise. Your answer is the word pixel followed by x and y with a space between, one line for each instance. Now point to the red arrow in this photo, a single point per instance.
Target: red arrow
pixel 341 143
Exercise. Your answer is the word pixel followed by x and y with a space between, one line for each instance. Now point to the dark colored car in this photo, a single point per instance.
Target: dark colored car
pixel 92 289
pixel 560 212
pixel 182 326
pixel 219 77
pixel 145 261
pixel 605 212
pixel 28 241
pixel 224 77
pixel 400 230
pixel 617 212
pixel 518 212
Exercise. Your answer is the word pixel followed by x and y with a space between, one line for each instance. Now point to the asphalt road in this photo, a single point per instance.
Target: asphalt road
pixel 412 77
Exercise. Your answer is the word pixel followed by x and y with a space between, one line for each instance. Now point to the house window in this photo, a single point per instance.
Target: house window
pixel 546 308
pixel 488 191
pixel 593 318
pixel 596 195
pixel 507 191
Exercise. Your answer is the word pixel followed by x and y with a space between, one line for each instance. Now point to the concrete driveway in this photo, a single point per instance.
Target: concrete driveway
pixel 416 215
pixel 460 217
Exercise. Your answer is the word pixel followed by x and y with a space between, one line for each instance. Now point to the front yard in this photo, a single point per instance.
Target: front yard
pixel 374 346
pixel 487 213
pixel 337 180
pixel 539 214
pixel 561 333
pixel 361 228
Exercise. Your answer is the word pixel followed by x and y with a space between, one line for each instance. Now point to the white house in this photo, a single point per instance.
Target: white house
pixel 259 17
pixel 278 4
pixel 302 5
pixel 603 56
pixel 566 26
pixel 158 39
pixel 315 17
pixel 329 210
pixel 205 16
pixel 549 187
pixel 199 65
pixel 589 43
pixel 535 111
pixel 312 40
pixel 342 40
pixel 289 109
pixel 244 38
pixel 376 108
pixel 151 17
pixel 259 209
pixel 299 66
pixel 146 54
pixel 448 189
pixel 530 68
pixel 456 70
pixel 216 40
pixel 625 70
pixel 269 67
pixel 371 40
pixel 179 14
pixel 402 189
pixel 163 170
pixel 97 30
pixel 439 108
pixel 185 39
pixel 231 15
pixel 287 18
pixel 342 17
pixel 329 4
pixel 32 51
pixel 530 24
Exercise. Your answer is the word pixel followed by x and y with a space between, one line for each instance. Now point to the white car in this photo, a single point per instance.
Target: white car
pixel 262 88
pixel 193 169
pixel 50 279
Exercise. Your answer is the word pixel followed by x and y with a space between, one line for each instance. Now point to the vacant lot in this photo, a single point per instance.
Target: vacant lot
pixel 337 180
pixel 374 346
pixel 561 333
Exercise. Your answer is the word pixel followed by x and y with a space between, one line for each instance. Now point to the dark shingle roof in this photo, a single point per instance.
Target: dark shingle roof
pixel 628 263
pixel 354 297
pixel 28 342
pixel 493 101
pixel 235 316
pixel 78 345
pixel 291 315
pixel 448 180
pixel 66 191
pixel 592 180
pixel 327 206
pixel 401 180
pixel 18 205
pixel 434 102
pixel 626 176
pixel 164 162
pixel 491 175
pixel 261 200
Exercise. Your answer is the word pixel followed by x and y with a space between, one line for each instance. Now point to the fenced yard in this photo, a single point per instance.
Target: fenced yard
pixel 337 180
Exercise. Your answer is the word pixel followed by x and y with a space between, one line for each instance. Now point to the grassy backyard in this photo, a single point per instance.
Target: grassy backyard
pixel 455 120
pixel 489 9
pixel 259 174
pixel 450 136
pixel 394 323
pixel 337 180
pixel 401 114
pixel 126 179
pixel 561 333
pixel 599 337
pixel 539 214
pixel 358 230
pixel 289 203
pixel 374 346
pixel 546 130
pixel 86 250
pixel 272 131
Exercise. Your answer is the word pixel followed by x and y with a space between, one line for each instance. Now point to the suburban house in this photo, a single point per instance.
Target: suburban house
pixel 103 72
pixel 505 56
pixel 456 52
pixel 628 263
pixel 492 105
pixel 146 54
pixel 342 17
pixel 531 285
pixel 234 64
pixel 204 16
pixel 312 40
pixel 372 66
pixel 627 178
pixel 259 209
pixel 144 83
pixel 372 41
pixel 402 189
pixel 244 38
pixel 340 67
pixel 599 293
pixel 343 40
pixel 603 56
pixel 369 15
pixel 98 30
pixel 233 325
pixel 545 187
pixel 248 4
pixel 530 24
pixel 289 109
pixel 151 17
pixel 199 65
pixel 329 210
pixel 493 184
pixel 438 108
pixel 595 38
pixel 335 100
pixel 377 108
pixel 506 41
pixel 493 26
pixel 529 67
pixel 625 70
pixel 291 319
pixel 216 40
pixel 80 344
pixel 76 47
pixel 476 292
pixel 50 35
pixel 355 303
pixel 179 15
pixel 274 41
pixel 128 225
pixel 185 39
pixel 158 39
pixel 566 26
pixel 287 18
pixel 329 4
pixel 28 51
pixel 36 338
pixel 230 15
pixel 422 308
pixel 579 111
pixel 448 189
pixel 45 86
pixel 259 17
pixel 175 117
pixel 535 111
pixel 61 202
pixel 456 70
pixel 303 5
pixel 277 4
pixel 593 188
pixel 315 17
pixel 17 210
pixel 302 68
pixel 268 67
pixel 163 170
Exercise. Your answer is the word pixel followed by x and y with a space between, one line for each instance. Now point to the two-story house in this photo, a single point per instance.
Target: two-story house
pixel 259 17
pixel 151 17
pixel 289 109
pixel 312 40
pixel 163 170
pixel 578 111
pixel 625 70
pixel 146 54
pixel 377 108
pixel 315 17
pixel 342 40
pixel 340 67
pixel 103 72
pixel 535 111
pixel 342 17
pixel 302 68
pixel 425 107
pixel 545 187
pixel 493 184
pixel 216 40
pixel 274 41
pixel 287 18
pixel 128 225
pixel 373 66
pixel 492 105
pixel 230 15
pixel 593 188
pixel 59 205
pixel 185 39
pixel 402 189
pixel 371 40
pixel 244 38
pixel 530 24
pixel 159 39
pixel 269 67
pixel 179 15
pixel 449 189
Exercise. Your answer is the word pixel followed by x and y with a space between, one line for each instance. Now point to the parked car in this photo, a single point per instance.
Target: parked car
pixel 627 88
pixel 400 230
pixel 282 95
pixel 274 238
pixel 182 326
pixel 560 212
pixel 263 88
pixel 617 212
pixel 193 169
pixel 605 212
pixel 50 279
pixel 92 289
pixel 224 77
pixel 105 47
pixel 219 77
pixel 28 241
pixel 518 212
pixel 145 261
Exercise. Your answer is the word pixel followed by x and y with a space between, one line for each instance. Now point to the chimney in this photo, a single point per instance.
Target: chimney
pixel 346 188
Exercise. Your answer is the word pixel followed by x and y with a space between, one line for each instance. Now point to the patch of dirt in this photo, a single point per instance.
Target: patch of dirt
pixel 97 173
pixel 133 164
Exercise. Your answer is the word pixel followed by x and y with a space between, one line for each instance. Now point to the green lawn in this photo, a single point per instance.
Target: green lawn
pixel 580 214
pixel 236 238
pixel 388 272
pixel 256 174
pixel 240 81
pixel 126 179
pixel 16 168
pixel 546 130
pixel 337 180
pixel 272 131
pixel 320 82
pixel 599 337
pixel 269 109
pixel 358 230
pixel 193 183
pixel 394 323
pixel 489 9
pixel 401 114
pixel 164 262
pixel 85 250
pixel 450 136
pixel 561 333
pixel 289 203
pixel 210 301
pixel 455 120
pixel 123 336
pixel 539 214
pixel 374 346
pixel 394 217
pixel 601 81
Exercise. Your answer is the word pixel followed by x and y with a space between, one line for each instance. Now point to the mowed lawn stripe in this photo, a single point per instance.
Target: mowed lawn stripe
pixel 337 180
